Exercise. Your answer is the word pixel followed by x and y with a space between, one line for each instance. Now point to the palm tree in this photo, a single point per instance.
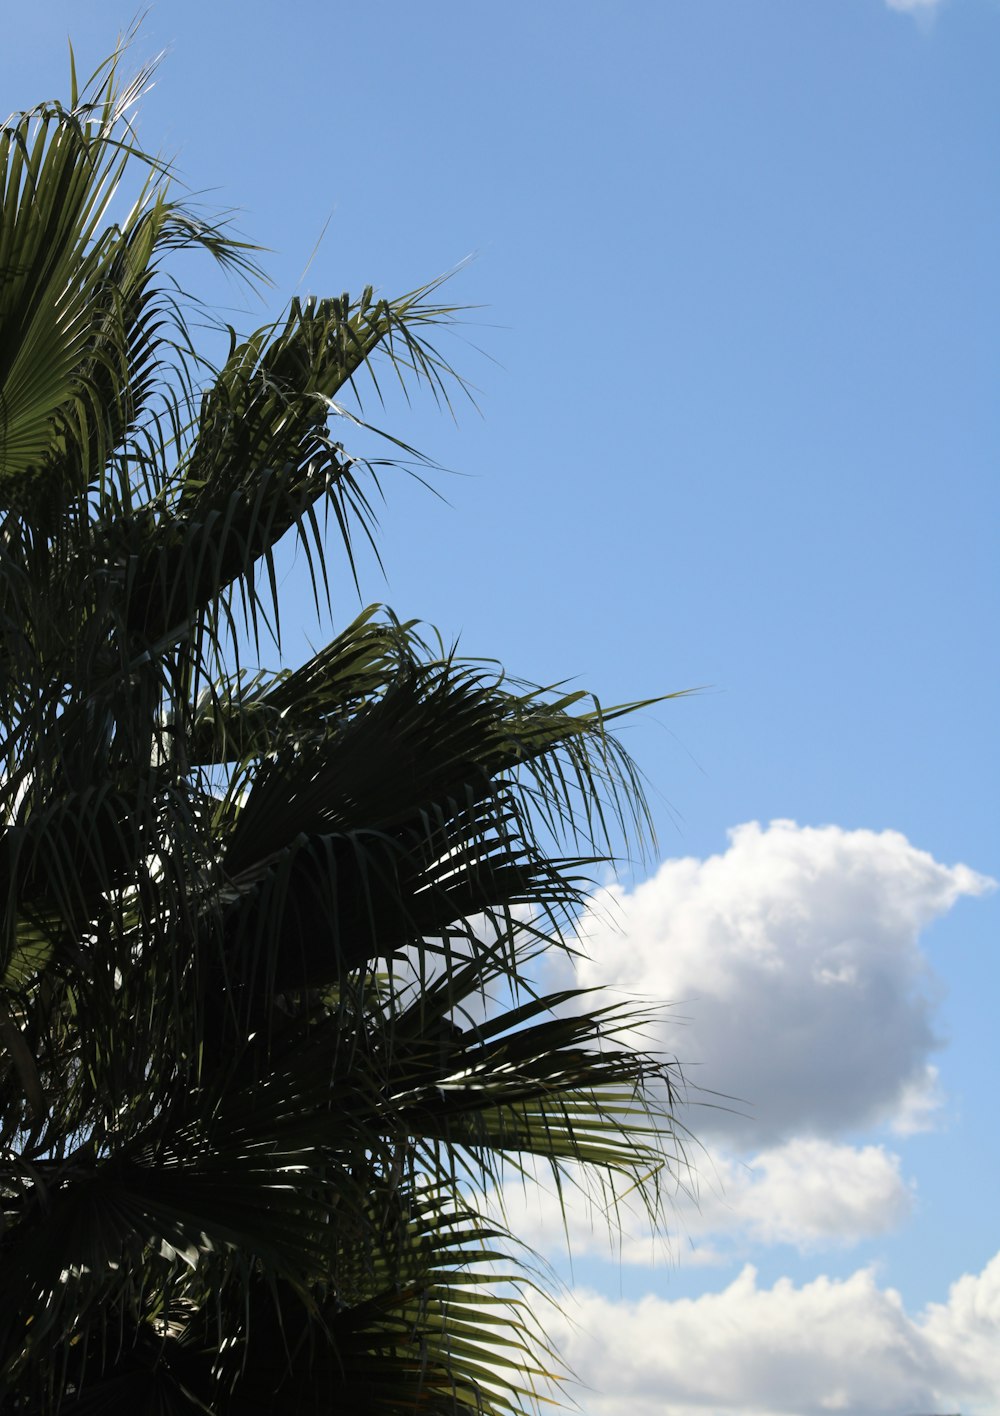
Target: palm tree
pixel 269 1035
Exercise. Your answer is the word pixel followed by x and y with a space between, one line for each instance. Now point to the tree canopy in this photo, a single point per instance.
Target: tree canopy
pixel 273 1022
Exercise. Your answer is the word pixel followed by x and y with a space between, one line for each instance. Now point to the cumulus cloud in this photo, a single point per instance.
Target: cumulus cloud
pixel 813 1194
pixel 810 1193
pixel 827 1346
pixel 794 958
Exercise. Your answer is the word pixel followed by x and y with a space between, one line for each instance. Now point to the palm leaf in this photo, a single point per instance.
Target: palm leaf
pixel 270 1023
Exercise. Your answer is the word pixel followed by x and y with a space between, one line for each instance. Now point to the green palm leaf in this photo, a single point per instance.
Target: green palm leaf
pixel 270 1018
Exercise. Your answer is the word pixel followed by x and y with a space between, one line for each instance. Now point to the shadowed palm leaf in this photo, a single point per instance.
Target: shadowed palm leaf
pixel 268 1027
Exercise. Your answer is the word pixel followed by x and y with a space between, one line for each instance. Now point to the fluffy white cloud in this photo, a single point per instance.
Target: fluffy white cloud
pixel 965 1333
pixel 814 1194
pixel 826 1346
pixel 793 958
pixel 810 1193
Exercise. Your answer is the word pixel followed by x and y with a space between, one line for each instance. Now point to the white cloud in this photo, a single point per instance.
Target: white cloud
pixel 794 958
pixel 810 1193
pixel 827 1346
pixel 813 1194
pixel 919 1105
pixel 913 5
pixel 965 1332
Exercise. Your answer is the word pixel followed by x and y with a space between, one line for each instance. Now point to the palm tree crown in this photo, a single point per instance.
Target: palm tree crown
pixel 268 1034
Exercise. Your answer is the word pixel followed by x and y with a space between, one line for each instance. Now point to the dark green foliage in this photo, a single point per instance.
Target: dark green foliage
pixel 252 1097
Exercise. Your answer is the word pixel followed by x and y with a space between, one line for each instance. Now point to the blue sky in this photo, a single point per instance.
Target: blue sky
pixel 736 358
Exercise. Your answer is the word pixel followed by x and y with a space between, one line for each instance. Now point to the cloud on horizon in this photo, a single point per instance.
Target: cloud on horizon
pixel 826 1346
pixel 793 969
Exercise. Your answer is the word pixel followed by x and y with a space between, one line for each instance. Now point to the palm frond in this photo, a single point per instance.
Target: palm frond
pixel 79 317
pixel 272 1023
